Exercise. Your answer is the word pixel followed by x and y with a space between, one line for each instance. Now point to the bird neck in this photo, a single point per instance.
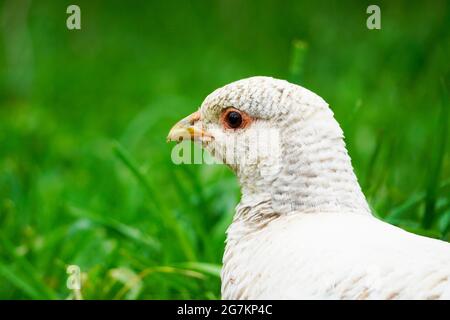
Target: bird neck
pixel 314 174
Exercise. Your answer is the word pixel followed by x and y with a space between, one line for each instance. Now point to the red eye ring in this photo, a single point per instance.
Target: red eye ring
pixel 232 118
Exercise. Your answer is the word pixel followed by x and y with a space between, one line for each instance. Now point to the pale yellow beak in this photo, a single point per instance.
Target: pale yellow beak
pixel 185 130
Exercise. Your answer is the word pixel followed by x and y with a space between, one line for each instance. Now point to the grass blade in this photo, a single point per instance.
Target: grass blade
pixel 433 181
pixel 119 227
pixel 206 268
pixel 167 215
pixel 397 212
pixel 19 282
pixel 25 276
pixel 298 57
pixel 125 158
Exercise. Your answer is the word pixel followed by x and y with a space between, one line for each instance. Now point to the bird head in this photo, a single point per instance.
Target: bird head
pixel 280 139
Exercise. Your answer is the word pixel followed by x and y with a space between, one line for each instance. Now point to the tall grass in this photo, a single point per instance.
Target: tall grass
pixel 85 173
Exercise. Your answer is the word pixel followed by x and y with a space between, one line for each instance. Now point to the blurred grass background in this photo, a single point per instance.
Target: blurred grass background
pixel 85 172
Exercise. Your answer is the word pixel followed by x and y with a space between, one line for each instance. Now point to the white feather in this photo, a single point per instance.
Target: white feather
pixel 333 255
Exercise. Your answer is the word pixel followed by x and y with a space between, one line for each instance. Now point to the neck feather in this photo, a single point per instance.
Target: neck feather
pixel 315 173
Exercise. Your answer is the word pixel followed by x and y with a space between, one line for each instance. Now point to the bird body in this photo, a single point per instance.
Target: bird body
pixel 303 228
pixel 333 255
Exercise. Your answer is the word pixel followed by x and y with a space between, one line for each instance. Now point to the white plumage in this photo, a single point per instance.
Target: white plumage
pixel 303 228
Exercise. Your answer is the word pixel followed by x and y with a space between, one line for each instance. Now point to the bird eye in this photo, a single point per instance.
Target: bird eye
pixel 232 118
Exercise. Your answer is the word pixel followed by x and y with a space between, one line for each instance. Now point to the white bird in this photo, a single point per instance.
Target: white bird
pixel 303 228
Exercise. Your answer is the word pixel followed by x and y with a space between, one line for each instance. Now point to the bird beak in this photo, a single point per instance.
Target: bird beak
pixel 185 129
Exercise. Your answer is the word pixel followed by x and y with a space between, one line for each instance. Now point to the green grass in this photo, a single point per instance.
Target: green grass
pixel 85 172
